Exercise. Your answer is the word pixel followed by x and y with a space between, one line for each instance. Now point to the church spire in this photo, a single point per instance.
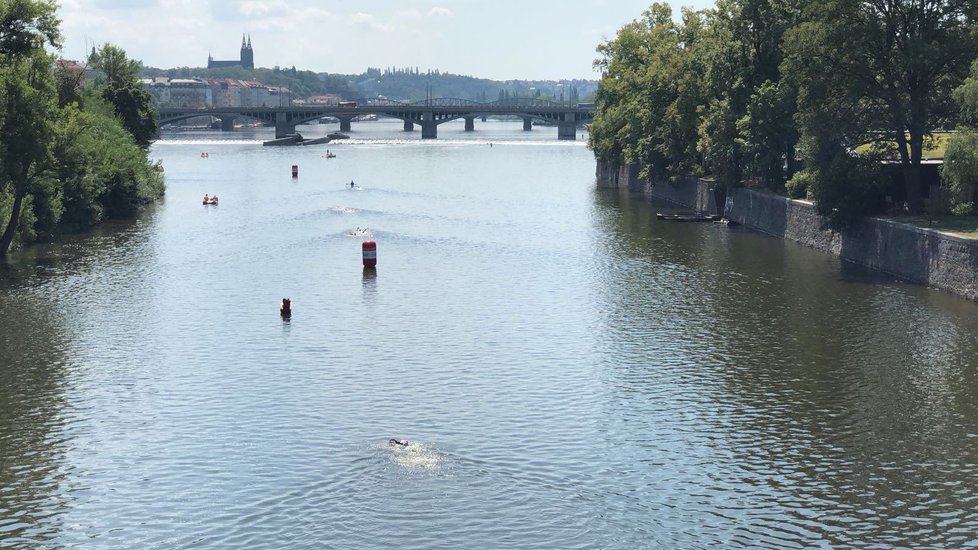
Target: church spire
pixel 249 41
pixel 242 40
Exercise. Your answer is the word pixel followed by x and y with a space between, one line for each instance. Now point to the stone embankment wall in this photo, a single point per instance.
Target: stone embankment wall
pixel 918 255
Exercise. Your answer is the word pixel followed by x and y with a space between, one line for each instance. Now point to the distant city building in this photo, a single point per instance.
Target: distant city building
pixel 192 93
pixel 247 57
pixel 198 93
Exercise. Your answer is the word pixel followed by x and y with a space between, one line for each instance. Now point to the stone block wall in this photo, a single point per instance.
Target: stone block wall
pixel 914 254
pixel 620 176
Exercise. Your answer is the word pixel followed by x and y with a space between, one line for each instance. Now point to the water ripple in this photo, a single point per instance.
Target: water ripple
pixel 574 372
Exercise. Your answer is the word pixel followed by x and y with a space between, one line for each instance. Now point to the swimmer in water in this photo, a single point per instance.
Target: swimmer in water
pixel 400 442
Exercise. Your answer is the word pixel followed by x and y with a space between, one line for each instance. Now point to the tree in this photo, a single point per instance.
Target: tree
pixel 120 86
pixel 26 26
pixel 28 100
pixel 960 169
pixel 682 99
pixel 648 95
pixel 68 77
pixel 745 129
pixel 768 134
pixel 893 62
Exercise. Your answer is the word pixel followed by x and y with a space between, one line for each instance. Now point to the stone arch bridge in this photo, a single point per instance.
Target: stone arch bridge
pixel 428 114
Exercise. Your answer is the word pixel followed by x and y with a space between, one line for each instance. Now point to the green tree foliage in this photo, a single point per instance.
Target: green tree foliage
pixel 61 169
pixel 118 82
pixel 966 97
pixel 27 103
pixel 767 136
pixel 105 174
pixel 687 98
pixel 27 26
pixel 648 96
pixel 742 91
pixel 960 169
pixel 890 63
pixel 747 116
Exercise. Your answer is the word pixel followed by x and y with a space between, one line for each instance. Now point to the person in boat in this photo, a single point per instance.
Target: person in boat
pixel 352 184
pixel 207 199
pixel 400 442
pixel 286 308
pixel 214 199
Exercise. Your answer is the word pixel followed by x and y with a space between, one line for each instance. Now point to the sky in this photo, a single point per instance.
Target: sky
pixel 495 39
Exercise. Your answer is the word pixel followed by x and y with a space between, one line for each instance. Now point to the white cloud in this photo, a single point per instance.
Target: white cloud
pixel 411 14
pixel 258 9
pixel 368 22
pixel 128 5
pixel 440 12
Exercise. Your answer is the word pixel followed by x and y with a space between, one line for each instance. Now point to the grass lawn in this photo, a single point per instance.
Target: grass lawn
pixel 934 146
pixel 961 226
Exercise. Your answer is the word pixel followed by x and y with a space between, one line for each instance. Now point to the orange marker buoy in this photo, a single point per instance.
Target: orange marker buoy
pixel 369 254
pixel 295 170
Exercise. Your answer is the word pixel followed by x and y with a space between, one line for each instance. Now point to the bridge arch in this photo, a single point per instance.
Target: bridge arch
pixel 429 113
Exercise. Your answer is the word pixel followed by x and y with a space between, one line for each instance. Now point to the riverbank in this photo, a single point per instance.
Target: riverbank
pixel 914 254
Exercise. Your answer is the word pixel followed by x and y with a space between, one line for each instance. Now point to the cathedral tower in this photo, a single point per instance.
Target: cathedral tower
pixel 247 54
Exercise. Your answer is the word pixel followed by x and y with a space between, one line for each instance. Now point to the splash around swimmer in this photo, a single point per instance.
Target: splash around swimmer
pixel 399 442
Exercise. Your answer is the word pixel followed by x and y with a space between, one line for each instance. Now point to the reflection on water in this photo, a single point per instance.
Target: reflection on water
pixel 572 372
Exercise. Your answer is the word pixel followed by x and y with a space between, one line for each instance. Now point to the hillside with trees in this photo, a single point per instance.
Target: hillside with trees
pixel 399 84
pixel 71 154
pixel 830 100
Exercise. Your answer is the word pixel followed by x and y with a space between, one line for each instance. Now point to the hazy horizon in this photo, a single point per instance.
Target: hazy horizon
pixel 506 40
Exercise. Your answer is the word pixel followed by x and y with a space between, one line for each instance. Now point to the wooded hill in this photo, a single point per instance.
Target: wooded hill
pixel 401 84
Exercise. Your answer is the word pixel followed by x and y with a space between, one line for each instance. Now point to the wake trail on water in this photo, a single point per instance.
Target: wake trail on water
pixel 416 456
pixel 208 142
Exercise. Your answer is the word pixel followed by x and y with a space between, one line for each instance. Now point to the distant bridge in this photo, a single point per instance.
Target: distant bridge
pixel 428 114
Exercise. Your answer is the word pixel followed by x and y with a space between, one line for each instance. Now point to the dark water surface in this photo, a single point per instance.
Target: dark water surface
pixel 573 372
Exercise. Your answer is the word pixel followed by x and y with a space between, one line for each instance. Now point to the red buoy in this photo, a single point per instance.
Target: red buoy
pixel 369 254
pixel 295 170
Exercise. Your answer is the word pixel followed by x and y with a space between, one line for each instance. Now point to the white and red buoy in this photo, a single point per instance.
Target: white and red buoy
pixel 295 170
pixel 369 254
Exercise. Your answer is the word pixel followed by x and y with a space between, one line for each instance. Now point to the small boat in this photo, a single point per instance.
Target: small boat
pixel 688 217
pixel 337 135
pixel 330 155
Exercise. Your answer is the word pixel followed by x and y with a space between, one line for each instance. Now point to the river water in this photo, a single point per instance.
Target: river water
pixel 571 372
